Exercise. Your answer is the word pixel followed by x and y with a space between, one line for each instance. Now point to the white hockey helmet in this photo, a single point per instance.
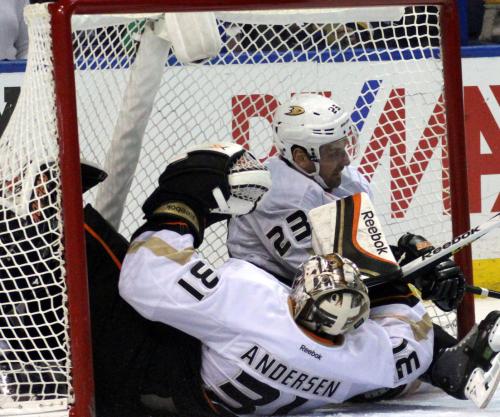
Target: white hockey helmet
pixel 329 296
pixel 310 121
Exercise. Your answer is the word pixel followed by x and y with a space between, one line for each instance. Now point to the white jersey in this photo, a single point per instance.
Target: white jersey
pixel 255 358
pixel 276 236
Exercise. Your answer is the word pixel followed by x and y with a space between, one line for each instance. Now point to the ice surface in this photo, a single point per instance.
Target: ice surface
pixel 427 402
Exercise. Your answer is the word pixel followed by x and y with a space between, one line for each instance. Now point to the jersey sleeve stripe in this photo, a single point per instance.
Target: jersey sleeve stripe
pixel 161 248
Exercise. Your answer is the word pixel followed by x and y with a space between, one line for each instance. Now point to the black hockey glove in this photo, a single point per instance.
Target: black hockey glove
pixel 444 284
pixel 185 190
pixel 206 185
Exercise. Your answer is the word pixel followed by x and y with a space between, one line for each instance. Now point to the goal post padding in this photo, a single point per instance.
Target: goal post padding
pixel 137 106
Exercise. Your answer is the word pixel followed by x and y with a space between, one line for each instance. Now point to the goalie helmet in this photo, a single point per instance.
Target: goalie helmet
pixel 329 296
pixel 310 121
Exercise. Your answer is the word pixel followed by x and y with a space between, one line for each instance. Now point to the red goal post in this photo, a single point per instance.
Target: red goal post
pixel 405 95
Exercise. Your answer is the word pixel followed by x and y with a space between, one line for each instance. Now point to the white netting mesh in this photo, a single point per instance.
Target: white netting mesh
pixel 247 192
pixel 388 72
pixel 34 348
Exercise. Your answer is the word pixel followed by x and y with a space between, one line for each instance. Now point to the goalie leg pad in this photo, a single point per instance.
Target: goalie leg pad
pixel 471 369
pixel 482 385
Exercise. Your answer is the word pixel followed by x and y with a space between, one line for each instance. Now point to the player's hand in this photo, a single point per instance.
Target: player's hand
pixel 207 184
pixel 444 284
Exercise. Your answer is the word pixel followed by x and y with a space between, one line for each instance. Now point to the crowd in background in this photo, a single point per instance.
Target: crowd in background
pixel 483 25
pixel 13 30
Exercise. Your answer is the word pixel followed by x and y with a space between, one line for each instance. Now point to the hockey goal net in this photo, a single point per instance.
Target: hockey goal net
pixel 396 68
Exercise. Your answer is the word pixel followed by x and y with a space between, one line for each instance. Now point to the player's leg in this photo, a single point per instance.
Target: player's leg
pixel 172 382
pixel 471 368
pixel 121 338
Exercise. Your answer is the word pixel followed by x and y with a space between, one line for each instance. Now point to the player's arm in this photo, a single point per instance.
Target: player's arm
pixel 398 350
pixel 162 276
pixel 411 333
pixel 165 280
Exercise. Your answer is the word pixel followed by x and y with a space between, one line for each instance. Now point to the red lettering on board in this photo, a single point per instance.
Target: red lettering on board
pixel 480 122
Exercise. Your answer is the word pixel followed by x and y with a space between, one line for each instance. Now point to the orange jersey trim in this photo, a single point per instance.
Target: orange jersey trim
pixel 177 223
pixel 210 403
pixel 393 297
pixel 104 245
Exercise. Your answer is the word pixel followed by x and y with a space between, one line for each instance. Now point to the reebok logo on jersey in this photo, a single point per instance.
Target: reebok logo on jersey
pixel 311 352
pixel 374 233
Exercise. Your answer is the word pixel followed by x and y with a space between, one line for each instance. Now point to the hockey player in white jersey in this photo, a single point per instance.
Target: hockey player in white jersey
pixel 314 137
pixel 266 349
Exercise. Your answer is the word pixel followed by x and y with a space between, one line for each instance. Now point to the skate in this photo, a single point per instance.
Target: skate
pixel 471 369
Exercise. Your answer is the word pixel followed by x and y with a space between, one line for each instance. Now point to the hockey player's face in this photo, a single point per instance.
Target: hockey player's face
pixel 333 159
pixel 39 198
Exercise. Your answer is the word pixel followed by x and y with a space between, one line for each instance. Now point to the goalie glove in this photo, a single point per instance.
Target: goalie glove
pixel 207 184
pixel 444 284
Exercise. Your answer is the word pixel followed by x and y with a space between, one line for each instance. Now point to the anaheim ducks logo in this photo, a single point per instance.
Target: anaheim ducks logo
pixel 295 111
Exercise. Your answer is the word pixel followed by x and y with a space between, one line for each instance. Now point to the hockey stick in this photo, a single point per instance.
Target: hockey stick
pixel 483 292
pixel 435 256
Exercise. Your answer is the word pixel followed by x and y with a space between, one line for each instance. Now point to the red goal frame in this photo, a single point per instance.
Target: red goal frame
pixel 61 13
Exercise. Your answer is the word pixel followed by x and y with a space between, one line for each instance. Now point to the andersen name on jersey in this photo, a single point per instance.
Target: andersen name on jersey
pixel 273 368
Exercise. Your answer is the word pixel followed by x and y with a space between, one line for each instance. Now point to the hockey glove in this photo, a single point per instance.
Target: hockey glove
pixel 207 184
pixel 444 284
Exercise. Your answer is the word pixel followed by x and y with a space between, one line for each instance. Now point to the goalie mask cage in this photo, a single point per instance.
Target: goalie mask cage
pixel 103 83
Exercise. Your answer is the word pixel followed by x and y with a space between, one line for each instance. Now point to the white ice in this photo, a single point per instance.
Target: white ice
pixel 425 403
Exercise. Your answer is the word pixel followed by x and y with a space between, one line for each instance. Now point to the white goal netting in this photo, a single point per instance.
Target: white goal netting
pixel 138 106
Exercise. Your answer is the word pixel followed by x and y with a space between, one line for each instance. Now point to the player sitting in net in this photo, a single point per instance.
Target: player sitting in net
pixel 268 350
pixel 315 139
pixel 33 359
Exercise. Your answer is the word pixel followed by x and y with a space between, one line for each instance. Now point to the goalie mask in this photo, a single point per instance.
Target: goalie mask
pixel 329 296
pixel 310 121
